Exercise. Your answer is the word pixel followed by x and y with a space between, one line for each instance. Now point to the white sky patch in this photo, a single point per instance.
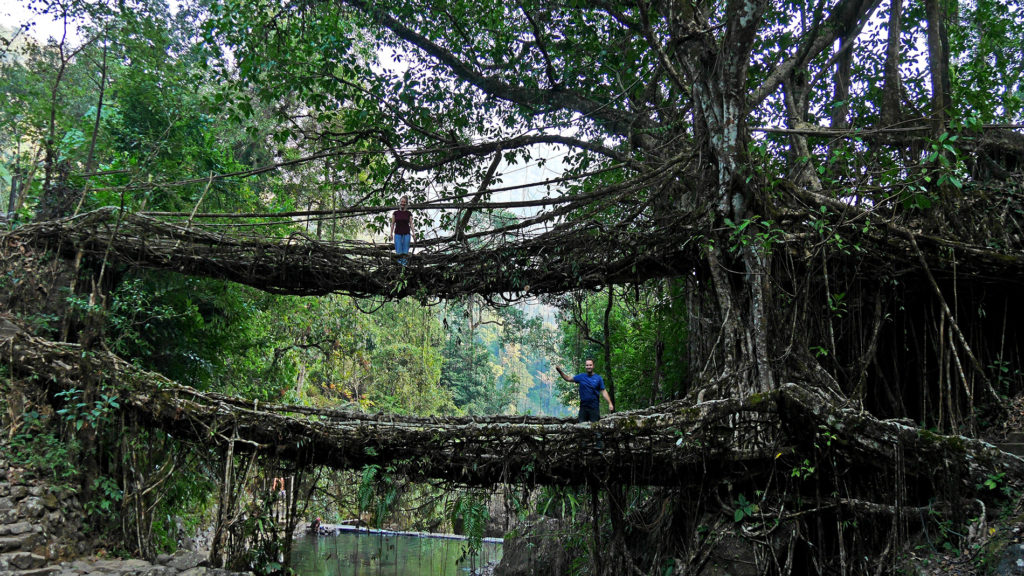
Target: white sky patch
pixel 41 27
pixel 527 178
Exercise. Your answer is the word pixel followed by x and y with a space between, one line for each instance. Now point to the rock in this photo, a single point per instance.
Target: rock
pixel 10 543
pixel 194 572
pixel 16 528
pixel 19 492
pixel 32 507
pixel 50 501
pixel 159 571
pixel 37 491
pixel 47 571
pixel 23 561
pixel 133 564
pixel 1009 562
pixel 731 557
pixel 6 503
pixel 80 566
pixel 537 552
pixel 186 560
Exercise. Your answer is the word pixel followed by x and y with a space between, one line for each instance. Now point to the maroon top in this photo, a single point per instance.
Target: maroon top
pixel 402 218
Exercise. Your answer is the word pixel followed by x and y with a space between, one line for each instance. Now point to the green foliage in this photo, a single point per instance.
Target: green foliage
pixel 993 480
pixel 560 501
pixel 753 231
pixel 78 413
pixel 987 79
pixel 261 527
pixel 378 492
pixel 106 498
pixel 945 532
pixel 469 510
pixel 804 469
pixel 183 502
pixel 743 508
pixel 837 304
pixel 496 360
pixel 1005 376
pixel 35 448
pixel 646 322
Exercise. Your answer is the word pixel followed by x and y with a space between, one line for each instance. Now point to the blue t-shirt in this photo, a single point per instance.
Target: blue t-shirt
pixel 590 389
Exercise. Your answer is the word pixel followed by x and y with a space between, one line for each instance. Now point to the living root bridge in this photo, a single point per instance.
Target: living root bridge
pixel 555 262
pixel 673 444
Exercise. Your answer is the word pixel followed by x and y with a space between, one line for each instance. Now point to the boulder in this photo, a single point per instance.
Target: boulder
pixel 32 507
pixel 50 501
pixel 535 549
pixel 186 560
pixel 21 561
pixel 15 529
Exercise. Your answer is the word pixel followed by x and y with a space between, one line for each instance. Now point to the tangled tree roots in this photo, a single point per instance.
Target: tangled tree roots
pixel 547 263
pixel 790 466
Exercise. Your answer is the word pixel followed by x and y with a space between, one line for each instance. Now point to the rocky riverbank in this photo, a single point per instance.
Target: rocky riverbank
pixel 41 534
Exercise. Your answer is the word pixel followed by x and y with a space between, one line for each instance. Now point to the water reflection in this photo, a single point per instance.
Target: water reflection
pixel 361 554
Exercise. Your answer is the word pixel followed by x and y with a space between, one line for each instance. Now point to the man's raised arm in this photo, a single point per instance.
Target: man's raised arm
pixel 564 376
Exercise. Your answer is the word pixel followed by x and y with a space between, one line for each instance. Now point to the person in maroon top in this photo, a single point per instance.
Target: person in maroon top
pixel 401 229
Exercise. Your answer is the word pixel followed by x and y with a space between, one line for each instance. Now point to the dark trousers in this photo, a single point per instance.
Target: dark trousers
pixel 589 414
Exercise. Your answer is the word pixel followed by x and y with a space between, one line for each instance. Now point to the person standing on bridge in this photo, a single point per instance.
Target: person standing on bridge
pixel 591 390
pixel 401 229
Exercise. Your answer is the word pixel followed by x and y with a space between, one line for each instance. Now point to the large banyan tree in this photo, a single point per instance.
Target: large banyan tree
pixel 837 185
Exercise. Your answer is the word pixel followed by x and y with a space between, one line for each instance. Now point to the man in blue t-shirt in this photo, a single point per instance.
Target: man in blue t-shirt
pixel 591 390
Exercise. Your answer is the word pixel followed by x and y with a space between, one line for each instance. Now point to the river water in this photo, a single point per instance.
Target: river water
pixel 362 554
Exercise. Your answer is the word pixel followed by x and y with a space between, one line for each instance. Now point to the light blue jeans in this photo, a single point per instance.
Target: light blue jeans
pixel 402 246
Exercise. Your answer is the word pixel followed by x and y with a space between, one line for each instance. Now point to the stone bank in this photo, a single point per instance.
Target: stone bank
pixel 41 534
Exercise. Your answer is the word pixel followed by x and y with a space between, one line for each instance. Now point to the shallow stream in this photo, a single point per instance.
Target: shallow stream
pixel 384 554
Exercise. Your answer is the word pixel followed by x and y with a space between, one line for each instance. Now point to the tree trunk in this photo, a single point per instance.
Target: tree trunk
pixel 938 64
pixel 89 159
pixel 892 94
pixel 609 380
pixel 841 95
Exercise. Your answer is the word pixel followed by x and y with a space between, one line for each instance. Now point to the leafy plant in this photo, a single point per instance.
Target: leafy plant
pixel 559 502
pixel 945 156
pixel 106 496
pixel 39 450
pixel 469 509
pixel 753 230
pixel 803 469
pixel 837 304
pixel 81 414
pixel 743 508
pixel 1004 374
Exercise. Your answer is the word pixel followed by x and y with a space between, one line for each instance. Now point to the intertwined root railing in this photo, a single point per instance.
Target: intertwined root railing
pixel 672 444
pixel 579 256
pixel 576 254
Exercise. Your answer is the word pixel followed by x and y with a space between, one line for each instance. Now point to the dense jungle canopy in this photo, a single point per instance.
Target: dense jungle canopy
pixel 723 199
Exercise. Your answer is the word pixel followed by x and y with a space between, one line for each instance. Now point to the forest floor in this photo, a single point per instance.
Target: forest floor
pixel 996 548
